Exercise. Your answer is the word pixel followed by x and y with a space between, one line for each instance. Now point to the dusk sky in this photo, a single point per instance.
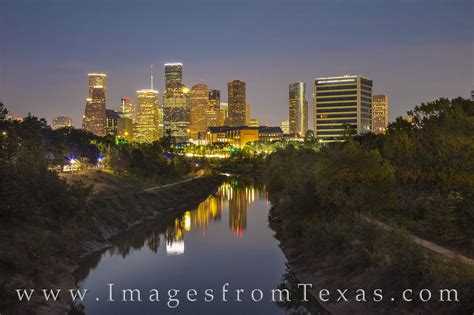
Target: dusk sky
pixel 415 51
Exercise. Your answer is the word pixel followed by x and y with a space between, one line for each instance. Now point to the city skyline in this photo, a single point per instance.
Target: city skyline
pixel 44 57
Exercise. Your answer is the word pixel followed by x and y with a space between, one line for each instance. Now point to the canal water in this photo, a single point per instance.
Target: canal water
pixel 225 239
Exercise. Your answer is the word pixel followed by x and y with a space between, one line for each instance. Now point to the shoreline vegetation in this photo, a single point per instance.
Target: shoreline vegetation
pixel 418 179
pixel 50 219
pixel 116 206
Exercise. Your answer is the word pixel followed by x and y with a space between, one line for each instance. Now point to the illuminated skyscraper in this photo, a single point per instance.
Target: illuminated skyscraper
pixel 224 112
pixel 112 118
pixel 128 108
pixel 237 103
pixel 214 115
pixel 176 103
pixel 173 75
pixel 146 125
pixel 379 113
pixel 199 107
pixel 95 115
pixel 342 106
pixel 298 105
pixel 61 122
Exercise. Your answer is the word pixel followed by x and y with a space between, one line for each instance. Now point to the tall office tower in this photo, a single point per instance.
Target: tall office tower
pixel 146 124
pixel 61 122
pixel 237 103
pixel 111 122
pixel 128 108
pixel 176 112
pixel 173 75
pixel 214 115
pixel 342 106
pixel 95 116
pixel 225 113
pixel 285 126
pixel 298 106
pixel 379 113
pixel 199 105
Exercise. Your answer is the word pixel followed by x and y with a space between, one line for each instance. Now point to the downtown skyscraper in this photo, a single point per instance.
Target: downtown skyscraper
pixel 214 114
pixel 342 106
pixel 199 107
pixel 147 123
pixel 237 103
pixel 176 103
pixel 379 113
pixel 95 112
pixel 298 108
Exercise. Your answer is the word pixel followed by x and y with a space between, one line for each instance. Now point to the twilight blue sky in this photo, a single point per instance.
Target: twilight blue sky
pixel 415 51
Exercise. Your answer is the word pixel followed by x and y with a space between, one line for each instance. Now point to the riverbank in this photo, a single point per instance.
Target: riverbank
pixel 116 205
pixel 361 255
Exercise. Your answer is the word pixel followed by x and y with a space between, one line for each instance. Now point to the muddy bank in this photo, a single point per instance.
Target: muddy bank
pixel 116 206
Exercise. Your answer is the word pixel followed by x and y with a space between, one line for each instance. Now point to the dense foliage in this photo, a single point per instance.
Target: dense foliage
pixel 418 176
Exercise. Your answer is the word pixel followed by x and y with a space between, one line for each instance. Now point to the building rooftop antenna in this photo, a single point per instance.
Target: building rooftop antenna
pixel 151 75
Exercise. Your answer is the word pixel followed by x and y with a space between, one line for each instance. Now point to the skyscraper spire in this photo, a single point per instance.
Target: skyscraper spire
pixel 151 75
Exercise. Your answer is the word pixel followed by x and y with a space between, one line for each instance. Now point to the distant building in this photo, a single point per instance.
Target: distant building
pixel 342 106
pixel 285 126
pixel 173 75
pixel 408 118
pixel 240 136
pixel 236 136
pixel 253 122
pixel 125 128
pixel 269 134
pixel 199 107
pixel 146 124
pixel 176 103
pixel 95 113
pixel 298 108
pixel 237 103
pixel 225 113
pixel 379 113
pixel 472 95
pixel 128 108
pixel 214 115
pixel 111 122
pixel 61 122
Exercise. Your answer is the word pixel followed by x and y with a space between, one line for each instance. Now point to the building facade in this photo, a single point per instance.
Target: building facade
pixel 379 113
pixel 214 115
pixel 111 122
pixel 199 95
pixel 173 75
pixel 95 113
pixel 225 113
pixel 176 112
pixel 342 107
pixel 128 108
pixel 147 122
pixel 298 108
pixel 61 122
pixel 237 103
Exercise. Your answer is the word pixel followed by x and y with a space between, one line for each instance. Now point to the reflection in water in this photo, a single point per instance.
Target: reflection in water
pixel 212 245
pixel 234 195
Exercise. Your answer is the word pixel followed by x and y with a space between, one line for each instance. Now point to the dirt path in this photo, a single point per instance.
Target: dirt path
pixel 427 244
pixel 156 188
